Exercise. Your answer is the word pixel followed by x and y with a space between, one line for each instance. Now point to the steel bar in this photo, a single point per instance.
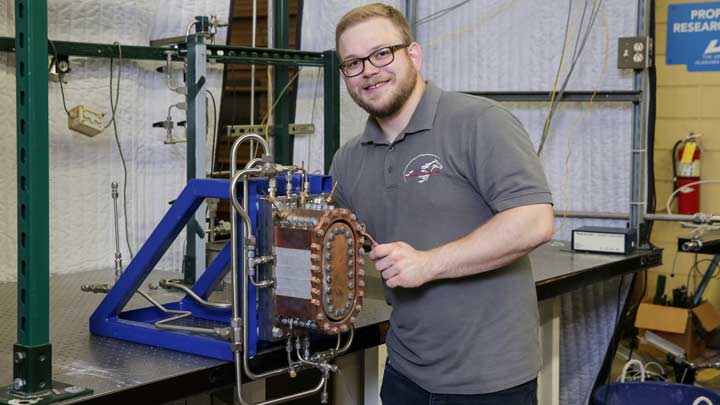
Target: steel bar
pixel 331 105
pixel 196 153
pixel 218 53
pixel 632 96
pixel 282 147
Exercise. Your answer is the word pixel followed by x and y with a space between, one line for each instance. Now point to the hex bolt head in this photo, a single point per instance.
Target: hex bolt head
pixel 277 332
pixel 331 237
pixel 328 279
pixel 351 296
pixel 353 319
pixel 19 357
pixel 348 235
pixel 351 252
pixel 328 256
pixel 351 274
pixel 18 384
pixel 350 263
pixel 320 233
pixel 328 267
pixel 353 217
pixel 328 245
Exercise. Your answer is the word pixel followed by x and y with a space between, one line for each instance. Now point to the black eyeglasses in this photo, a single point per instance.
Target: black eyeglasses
pixel 378 58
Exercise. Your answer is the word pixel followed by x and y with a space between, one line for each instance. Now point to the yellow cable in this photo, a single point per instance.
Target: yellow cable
pixel 476 27
pixel 269 114
pixel 586 109
pixel 546 129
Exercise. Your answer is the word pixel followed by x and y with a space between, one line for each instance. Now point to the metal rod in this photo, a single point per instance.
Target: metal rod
pixel 589 214
pixel 697 218
pixel 252 77
pixel 615 96
pixel 118 254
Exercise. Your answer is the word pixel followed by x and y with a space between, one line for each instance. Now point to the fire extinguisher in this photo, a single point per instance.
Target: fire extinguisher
pixel 686 170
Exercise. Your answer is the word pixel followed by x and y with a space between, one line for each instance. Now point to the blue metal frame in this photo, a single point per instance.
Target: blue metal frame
pixel 138 325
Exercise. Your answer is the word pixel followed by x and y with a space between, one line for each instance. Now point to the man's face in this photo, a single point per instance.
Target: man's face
pixel 380 91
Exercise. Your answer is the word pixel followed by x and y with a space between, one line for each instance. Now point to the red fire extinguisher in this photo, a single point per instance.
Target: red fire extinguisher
pixel 687 171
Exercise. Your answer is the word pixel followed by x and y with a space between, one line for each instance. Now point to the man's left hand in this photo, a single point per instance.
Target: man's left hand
pixel 401 265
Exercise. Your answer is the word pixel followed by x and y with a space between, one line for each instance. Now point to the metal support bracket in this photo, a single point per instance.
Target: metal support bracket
pixel 236 131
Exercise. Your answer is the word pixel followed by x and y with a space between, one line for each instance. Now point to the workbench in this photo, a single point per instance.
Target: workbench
pixel 120 372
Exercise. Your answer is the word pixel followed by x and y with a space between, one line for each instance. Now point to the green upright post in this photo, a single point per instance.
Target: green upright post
pixel 281 40
pixel 32 354
pixel 332 106
pixel 32 369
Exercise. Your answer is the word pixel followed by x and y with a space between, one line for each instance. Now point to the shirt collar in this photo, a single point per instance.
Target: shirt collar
pixel 422 118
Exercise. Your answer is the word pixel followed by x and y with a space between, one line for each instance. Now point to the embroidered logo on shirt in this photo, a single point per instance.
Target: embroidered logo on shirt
pixel 421 167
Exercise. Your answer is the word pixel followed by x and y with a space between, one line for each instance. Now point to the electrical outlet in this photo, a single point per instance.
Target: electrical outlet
pixel 634 53
pixel 86 121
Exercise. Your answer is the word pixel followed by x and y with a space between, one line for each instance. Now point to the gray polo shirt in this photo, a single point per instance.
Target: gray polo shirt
pixel 460 160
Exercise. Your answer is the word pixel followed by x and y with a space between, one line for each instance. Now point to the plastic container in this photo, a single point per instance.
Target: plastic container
pixel 653 393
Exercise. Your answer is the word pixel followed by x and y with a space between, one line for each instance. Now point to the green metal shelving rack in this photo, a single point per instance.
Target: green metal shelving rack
pixel 32 360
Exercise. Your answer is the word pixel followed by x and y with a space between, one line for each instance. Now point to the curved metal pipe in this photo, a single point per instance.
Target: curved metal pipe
pixel 178 314
pixel 189 27
pixel 347 345
pixel 314 390
pixel 191 293
pixel 253 162
pixel 241 139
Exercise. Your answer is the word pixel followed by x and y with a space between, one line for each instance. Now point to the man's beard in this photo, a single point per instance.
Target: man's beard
pixel 397 99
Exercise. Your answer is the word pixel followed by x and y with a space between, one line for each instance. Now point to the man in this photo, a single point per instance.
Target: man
pixel 451 188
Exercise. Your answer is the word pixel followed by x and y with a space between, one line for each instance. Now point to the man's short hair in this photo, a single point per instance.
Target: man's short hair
pixel 374 10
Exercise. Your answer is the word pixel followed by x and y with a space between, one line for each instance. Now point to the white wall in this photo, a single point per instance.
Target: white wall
pixel 81 168
pixel 511 45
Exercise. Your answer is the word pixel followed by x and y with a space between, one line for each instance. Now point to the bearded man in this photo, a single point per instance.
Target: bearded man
pixel 451 187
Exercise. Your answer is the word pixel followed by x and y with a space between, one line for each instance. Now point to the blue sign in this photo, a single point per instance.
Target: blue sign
pixel 693 36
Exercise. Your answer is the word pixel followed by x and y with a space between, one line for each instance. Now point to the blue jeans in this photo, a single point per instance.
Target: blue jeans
pixel 400 390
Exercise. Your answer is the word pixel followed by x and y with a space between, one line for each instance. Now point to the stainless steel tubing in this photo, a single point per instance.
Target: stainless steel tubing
pixel 162 324
pixel 303 394
pixel 235 310
pixel 347 344
pixel 191 293
pixel 696 218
